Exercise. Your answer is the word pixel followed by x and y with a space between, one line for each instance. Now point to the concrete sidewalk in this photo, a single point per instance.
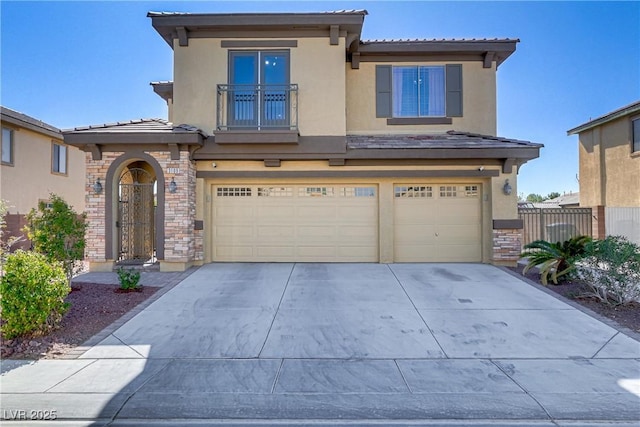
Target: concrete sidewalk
pixel 343 344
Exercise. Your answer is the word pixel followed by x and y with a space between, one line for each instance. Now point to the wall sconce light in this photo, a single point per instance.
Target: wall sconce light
pixel 173 187
pixel 97 186
pixel 507 188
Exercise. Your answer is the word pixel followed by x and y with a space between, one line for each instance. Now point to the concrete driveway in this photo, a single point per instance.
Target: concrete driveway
pixel 367 343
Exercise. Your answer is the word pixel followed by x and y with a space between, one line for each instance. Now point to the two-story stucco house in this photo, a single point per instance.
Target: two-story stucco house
pixel 609 156
pixel 35 163
pixel 291 139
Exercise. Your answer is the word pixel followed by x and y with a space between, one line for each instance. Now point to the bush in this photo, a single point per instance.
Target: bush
pixel 57 231
pixel 32 293
pixel 128 279
pixel 611 270
pixel 555 259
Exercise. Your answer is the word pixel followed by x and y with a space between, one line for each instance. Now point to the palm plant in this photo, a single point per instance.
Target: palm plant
pixel 555 259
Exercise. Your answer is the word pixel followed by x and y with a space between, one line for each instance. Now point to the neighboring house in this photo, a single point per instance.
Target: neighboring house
pixel 609 148
pixel 571 200
pixel 35 163
pixel 293 140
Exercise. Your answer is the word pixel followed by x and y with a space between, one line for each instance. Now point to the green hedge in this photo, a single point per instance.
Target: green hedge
pixel 32 294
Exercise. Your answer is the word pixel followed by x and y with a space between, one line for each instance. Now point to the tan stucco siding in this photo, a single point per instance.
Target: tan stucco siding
pixel 31 179
pixel 478 91
pixel 609 172
pixel 316 66
pixel 494 204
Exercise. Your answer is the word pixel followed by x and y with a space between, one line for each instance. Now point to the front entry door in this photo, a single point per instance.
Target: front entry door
pixel 136 216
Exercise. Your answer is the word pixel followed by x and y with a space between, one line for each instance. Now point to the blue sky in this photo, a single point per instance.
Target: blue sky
pixel 78 63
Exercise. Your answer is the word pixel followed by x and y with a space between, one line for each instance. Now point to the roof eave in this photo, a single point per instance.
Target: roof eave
pixel 609 117
pixel 18 122
pixel 474 49
pixel 169 25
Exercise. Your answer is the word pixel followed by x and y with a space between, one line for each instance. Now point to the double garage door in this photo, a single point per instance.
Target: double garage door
pixel 340 223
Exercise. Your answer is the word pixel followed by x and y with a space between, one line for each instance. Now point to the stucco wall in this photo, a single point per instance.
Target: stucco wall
pixel 30 179
pixel 478 91
pixel 316 66
pixel 609 172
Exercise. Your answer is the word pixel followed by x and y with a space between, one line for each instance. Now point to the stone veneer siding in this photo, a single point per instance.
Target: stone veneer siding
pixel 181 242
pixel 507 245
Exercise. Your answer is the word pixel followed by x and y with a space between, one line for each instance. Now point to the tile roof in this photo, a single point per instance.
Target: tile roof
pixel 22 119
pixel 450 139
pixel 328 12
pixel 137 126
pixel 454 40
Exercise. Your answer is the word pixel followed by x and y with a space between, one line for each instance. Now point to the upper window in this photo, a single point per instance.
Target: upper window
pixel 418 92
pixel 636 136
pixel 7 146
pixel 59 161
pixel 259 89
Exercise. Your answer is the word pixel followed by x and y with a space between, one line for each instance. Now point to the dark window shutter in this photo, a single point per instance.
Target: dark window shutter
pixel 454 90
pixel 383 90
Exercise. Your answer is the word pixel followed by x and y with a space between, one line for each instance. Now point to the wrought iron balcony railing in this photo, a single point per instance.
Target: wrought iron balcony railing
pixel 257 107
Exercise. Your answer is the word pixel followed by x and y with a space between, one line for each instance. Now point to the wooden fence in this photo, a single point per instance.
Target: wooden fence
pixel 555 224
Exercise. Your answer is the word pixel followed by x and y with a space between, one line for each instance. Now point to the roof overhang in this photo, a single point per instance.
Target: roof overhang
pixel 183 26
pixel 160 136
pixel 487 51
pixel 23 121
pixel 609 117
pixel 163 89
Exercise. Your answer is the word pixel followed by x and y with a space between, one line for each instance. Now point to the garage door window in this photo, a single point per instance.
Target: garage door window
pixel 358 192
pixel 234 192
pixel 447 191
pixel 316 192
pixel 275 192
pixel 471 191
pixel 414 191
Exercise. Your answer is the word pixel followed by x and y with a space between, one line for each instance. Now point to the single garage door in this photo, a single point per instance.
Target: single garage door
pixel 314 223
pixel 437 223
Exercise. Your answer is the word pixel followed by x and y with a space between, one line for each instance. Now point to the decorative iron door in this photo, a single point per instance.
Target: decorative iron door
pixel 136 216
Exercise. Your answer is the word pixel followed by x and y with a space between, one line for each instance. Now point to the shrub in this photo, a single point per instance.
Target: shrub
pixel 555 259
pixel 57 231
pixel 32 293
pixel 128 279
pixel 611 270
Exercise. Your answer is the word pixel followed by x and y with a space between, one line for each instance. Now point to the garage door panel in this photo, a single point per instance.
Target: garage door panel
pixel 234 252
pixel 467 233
pixel 356 231
pixel 238 231
pixel 274 252
pixel 275 231
pixel 316 213
pixel 322 253
pixel 437 223
pixel 239 212
pixel 316 231
pixel 362 253
pixel 295 223
pixel 274 212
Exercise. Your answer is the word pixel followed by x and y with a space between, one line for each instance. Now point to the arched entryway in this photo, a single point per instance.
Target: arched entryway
pixel 136 214
pixel 134 209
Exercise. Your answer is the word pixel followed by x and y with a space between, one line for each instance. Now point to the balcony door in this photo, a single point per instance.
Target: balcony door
pixel 259 89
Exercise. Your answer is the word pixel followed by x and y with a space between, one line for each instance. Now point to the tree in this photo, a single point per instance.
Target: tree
pixel 5 243
pixel 553 195
pixel 57 232
pixel 534 198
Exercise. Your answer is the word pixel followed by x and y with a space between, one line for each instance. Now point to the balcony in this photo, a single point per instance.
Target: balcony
pixel 257 114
